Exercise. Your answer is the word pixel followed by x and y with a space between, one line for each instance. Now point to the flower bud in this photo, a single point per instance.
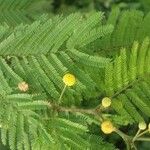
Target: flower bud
pixel 106 102
pixel 142 126
pixel 23 86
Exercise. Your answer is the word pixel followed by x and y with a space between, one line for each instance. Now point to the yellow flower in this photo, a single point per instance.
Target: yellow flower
pixel 107 127
pixel 69 79
pixel 149 127
pixel 142 126
pixel 23 86
pixel 106 102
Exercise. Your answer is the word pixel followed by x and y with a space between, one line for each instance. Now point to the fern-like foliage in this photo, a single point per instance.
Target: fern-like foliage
pixel 14 12
pixel 127 82
pixel 40 54
pixel 129 26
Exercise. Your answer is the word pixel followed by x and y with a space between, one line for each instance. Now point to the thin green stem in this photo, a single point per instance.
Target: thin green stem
pixel 124 137
pixel 133 146
pixel 137 134
pixel 86 111
pixel 143 139
pixel 144 132
pixel 62 93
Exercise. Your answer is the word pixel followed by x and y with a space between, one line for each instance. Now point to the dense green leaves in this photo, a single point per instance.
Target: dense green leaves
pixel 127 79
pixel 40 52
pixel 14 12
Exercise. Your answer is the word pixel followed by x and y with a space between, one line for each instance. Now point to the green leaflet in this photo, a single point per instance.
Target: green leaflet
pixel 127 79
pixel 39 55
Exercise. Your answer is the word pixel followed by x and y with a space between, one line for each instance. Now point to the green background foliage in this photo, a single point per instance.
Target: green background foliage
pixel 104 43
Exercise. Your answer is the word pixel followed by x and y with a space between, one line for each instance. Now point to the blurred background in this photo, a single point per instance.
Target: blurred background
pixel 68 6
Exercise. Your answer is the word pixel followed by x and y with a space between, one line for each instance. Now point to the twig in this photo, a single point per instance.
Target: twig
pixel 144 132
pixel 124 137
pixel 58 108
pixel 135 137
pixel 143 139
pixel 61 95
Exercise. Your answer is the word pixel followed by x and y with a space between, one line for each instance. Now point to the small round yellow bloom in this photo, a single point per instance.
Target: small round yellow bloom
pixel 107 127
pixel 23 86
pixel 106 102
pixel 69 79
pixel 149 127
pixel 142 126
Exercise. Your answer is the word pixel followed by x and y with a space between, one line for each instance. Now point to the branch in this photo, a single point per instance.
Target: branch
pixel 58 108
pixel 139 79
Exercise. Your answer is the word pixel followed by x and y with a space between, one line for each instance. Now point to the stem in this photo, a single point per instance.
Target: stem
pixel 142 133
pixel 124 137
pixel 143 139
pixel 137 134
pixel 61 95
pixel 128 86
pixel 133 146
pixel 87 111
pixel 67 109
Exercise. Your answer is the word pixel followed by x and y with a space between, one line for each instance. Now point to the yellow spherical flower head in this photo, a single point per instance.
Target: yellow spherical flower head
pixel 106 102
pixel 69 79
pixel 23 86
pixel 149 127
pixel 107 127
pixel 142 126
